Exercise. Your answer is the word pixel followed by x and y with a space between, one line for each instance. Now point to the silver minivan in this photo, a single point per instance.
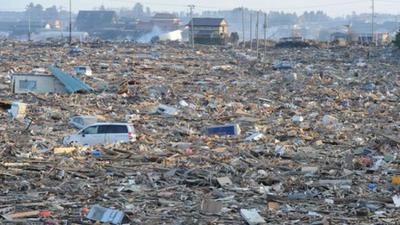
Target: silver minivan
pixel 102 133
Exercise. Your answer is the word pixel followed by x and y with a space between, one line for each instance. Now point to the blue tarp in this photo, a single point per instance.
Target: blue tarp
pixel 230 129
pixel 71 83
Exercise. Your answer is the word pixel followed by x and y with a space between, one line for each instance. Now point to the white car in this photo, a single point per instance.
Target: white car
pixel 102 133
pixel 83 70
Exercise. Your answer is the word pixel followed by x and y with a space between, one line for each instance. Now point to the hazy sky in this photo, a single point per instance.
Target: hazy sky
pixel 332 7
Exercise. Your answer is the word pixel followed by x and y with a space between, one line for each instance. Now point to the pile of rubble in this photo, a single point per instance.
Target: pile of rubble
pixel 223 137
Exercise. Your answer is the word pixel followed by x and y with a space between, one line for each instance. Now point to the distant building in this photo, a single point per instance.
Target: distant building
pixel 144 27
pixel 378 38
pixel 10 16
pixel 59 35
pixel 22 27
pixel 95 20
pixel 339 36
pixel 291 39
pixel 165 21
pixel 363 34
pixel 209 30
pixel 8 20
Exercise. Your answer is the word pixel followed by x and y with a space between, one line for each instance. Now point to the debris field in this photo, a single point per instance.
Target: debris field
pixel 222 137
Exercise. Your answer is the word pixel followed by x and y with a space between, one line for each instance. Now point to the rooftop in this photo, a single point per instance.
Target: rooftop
pixel 207 21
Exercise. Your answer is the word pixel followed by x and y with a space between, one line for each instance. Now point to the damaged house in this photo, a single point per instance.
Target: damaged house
pixel 57 82
pixel 211 31
pixel 165 21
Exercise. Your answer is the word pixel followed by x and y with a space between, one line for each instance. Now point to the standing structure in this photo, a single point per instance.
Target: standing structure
pixel 209 31
pixel 56 82
pixel 165 22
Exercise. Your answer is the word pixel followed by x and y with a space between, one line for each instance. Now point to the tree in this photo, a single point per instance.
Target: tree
pixel 138 10
pixel 38 8
pixel 30 6
pixel 51 13
pixel 148 11
pixel 396 41
pixel 35 12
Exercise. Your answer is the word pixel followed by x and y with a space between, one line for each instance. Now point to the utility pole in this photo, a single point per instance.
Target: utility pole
pixel 251 30
pixel 372 22
pixel 244 39
pixel 257 27
pixel 70 22
pixel 29 25
pixel 61 25
pixel 265 34
pixel 191 7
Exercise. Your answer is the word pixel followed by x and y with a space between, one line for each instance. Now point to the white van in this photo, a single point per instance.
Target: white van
pixel 102 133
pixel 83 70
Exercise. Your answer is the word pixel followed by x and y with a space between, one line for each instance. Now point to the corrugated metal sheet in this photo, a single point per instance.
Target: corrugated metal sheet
pixel 105 215
pixel 71 83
